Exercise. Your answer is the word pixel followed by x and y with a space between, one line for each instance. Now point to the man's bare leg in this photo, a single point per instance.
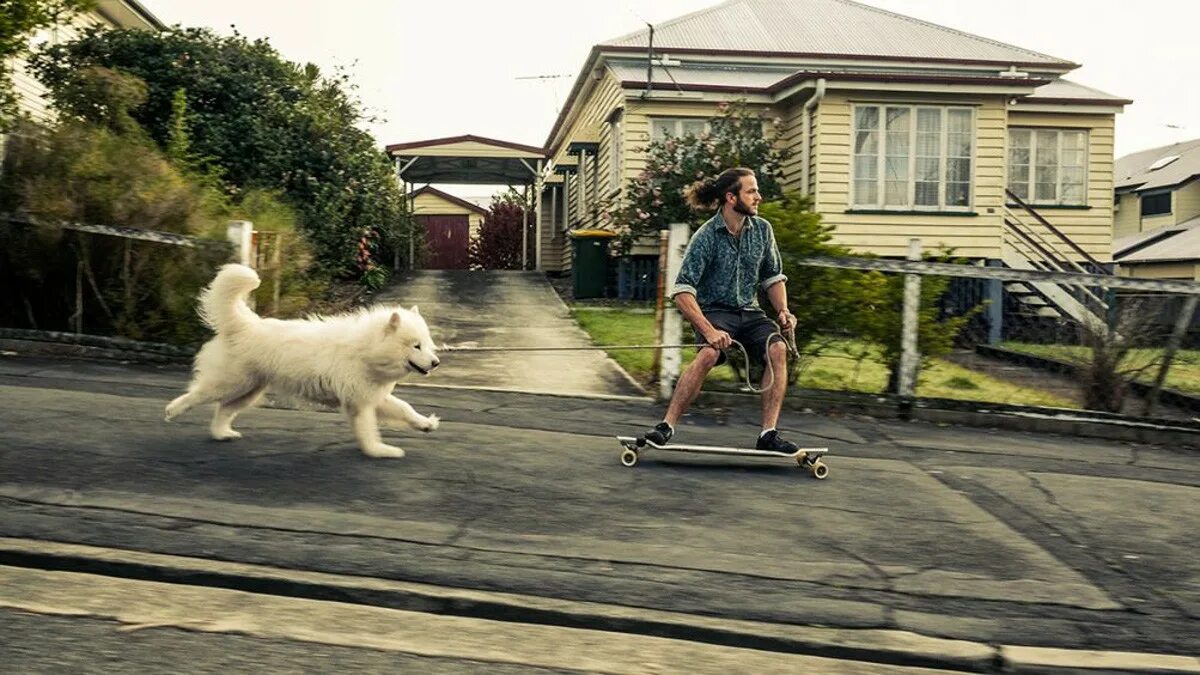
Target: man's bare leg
pixel 689 384
pixel 772 395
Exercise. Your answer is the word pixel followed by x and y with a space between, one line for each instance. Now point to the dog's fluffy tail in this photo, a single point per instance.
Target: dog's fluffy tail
pixel 223 304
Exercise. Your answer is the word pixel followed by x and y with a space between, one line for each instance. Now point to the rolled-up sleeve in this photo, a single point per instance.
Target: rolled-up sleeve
pixel 771 271
pixel 695 259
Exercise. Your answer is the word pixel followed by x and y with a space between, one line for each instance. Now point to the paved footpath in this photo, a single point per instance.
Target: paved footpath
pixel 928 546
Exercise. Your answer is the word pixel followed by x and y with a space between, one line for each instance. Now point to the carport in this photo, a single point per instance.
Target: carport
pixel 474 160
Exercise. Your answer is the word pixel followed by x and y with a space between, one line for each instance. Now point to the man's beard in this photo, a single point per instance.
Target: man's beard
pixel 744 209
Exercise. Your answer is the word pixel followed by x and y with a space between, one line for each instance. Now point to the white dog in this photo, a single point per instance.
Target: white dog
pixel 351 361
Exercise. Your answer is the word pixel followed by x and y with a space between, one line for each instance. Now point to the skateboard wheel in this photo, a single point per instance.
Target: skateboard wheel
pixel 819 470
pixel 629 457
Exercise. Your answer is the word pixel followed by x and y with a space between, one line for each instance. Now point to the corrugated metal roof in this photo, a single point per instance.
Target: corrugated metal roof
pixel 1133 170
pixel 1066 90
pixel 1182 242
pixel 825 27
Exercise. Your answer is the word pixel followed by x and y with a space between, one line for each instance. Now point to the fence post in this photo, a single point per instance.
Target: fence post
pixel 995 308
pixel 1181 325
pixel 910 357
pixel 240 232
pixel 672 324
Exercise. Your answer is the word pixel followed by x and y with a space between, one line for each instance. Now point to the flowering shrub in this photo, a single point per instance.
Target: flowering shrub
pixel 654 200
pixel 498 244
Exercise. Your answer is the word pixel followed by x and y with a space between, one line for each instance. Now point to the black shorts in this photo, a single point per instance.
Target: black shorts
pixel 751 327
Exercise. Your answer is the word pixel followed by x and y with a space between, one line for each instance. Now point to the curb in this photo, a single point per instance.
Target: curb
pixel 884 646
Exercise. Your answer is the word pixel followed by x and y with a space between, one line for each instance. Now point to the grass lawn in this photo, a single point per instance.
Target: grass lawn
pixel 844 365
pixel 1184 374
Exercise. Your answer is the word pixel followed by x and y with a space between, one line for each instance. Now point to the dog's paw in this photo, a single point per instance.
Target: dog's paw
pixel 383 450
pixel 170 413
pixel 226 435
pixel 430 424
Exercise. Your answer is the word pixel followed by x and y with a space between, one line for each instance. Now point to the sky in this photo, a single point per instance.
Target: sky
pixel 503 68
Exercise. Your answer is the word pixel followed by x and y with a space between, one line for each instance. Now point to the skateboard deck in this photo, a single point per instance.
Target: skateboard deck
pixel 807 458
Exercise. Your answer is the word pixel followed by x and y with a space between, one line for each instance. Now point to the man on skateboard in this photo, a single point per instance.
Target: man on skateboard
pixel 727 260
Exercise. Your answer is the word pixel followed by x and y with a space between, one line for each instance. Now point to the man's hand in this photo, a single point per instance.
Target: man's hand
pixel 719 339
pixel 787 320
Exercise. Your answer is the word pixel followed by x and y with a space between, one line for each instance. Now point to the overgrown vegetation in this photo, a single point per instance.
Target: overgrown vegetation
pixel 20 20
pixel 252 121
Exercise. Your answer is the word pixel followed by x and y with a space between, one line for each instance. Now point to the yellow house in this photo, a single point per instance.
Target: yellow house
pixel 899 128
pixel 1156 233
pixel 130 14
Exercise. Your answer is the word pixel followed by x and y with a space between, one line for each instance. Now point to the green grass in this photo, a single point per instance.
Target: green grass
pixel 843 365
pixel 1184 374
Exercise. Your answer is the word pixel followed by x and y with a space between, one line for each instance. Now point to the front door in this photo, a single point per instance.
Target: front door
pixel 446 240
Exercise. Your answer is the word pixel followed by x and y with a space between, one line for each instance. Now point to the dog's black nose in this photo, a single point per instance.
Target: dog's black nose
pixel 436 363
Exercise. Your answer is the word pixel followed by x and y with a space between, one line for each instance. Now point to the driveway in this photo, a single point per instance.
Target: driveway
pixel 490 309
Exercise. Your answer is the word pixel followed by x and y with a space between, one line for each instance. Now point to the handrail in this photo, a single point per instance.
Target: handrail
pixel 1067 240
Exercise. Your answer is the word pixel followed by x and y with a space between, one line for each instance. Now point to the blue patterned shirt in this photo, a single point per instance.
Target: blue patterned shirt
pixel 724 272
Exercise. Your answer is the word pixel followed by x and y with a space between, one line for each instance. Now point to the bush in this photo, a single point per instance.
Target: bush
pixel 497 246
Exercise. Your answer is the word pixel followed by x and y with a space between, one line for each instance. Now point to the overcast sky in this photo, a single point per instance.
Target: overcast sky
pixel 434 68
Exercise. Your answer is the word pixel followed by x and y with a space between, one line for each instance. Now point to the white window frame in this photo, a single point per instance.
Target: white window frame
pixel 677 126
pixel 881 158
pixel 1031 184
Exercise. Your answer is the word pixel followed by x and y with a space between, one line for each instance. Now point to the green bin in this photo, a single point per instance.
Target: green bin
pixel 589 269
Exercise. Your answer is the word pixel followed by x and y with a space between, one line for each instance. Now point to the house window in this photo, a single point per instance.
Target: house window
pixel 677 127
pixel 616 149
pixel 1156 204
pixel 1048 166
pixel 913 157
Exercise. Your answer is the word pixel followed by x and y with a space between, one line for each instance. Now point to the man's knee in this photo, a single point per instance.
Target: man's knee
pixel 777 350
pixel 707 358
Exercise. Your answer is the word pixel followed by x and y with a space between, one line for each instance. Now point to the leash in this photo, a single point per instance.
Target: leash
pixel 788 339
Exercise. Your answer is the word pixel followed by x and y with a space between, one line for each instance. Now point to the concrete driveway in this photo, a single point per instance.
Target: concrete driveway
pixel 503 309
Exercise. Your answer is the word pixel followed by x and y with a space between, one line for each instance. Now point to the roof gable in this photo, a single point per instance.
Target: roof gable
pixel 828 28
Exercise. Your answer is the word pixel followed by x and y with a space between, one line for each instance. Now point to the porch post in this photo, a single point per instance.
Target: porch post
pixel 910 357
pixel 537 209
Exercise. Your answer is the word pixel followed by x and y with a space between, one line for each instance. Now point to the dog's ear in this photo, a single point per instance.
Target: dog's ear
pixel 393 323
pixel 416 311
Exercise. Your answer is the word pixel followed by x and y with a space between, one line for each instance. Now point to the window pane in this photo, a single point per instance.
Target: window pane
pixel 929 120
pixel 1072 158
pixel 866 117
pixel 958 194
pixel 1045 192
pixel 693 127
pixel 866 167
pixel 896 193
pixel 929 169
pixel 895 168
pixel 1021 190
pixel 1073 140
pixel 866 142
pixel 1018 138
pixel 1047 148
pixel 1018 157
pixel 927 194
pixel 898 119
pixel 1072 193
pixel 958 145
pixel 959 121
pixel 1018 174
pixel 660 129
pixel 866 193
pixel 958 170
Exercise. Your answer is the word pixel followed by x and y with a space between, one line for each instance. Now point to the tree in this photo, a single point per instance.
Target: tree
pixel 20 19
pixel 253 119
pixel 654 199
pixel 498 244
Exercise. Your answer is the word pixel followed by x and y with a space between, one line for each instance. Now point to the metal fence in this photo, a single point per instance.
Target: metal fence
pixel 999 335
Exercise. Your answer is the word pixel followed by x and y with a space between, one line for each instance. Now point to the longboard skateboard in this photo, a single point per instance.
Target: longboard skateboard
pixel 807 458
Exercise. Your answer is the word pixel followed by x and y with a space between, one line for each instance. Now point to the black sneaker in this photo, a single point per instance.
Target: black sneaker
pixel 771 442
pixel 660 434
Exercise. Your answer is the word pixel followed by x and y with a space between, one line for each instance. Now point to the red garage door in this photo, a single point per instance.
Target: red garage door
pixel 446 239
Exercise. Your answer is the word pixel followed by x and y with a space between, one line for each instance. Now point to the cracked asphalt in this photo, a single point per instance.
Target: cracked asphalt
pixel 997 537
